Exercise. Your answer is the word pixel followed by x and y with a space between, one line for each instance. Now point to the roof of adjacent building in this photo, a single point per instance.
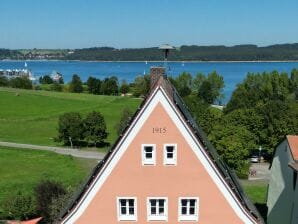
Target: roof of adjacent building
pixel 228 175
pixel 32 221
pixel 293 143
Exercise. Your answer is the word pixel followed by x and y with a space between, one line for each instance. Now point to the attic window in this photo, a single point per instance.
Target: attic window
pixel 170 154
pixel 148 154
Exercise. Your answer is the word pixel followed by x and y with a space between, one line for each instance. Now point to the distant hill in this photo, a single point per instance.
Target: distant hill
pixel 279 52
pixel 8 54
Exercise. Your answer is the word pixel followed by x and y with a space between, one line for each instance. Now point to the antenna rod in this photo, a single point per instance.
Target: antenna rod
pixel 166 49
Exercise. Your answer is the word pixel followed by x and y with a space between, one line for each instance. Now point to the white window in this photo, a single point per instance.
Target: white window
pixel 188 209
pixel 148 154
pixel 157 209
pixel 170 154
pixel 127 208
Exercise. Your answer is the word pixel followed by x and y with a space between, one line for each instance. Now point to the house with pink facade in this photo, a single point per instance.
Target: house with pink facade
pixel 162 169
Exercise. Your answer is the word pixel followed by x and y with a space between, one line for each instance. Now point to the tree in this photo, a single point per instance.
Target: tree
pixel 294 82
pixel 204 115
pixel 280 119
pixel 95 128
pixel 94 85
pixel 263 104
pixel 124 88
pixel 211 88
pixel 70 128
pixel 60 80
pixel 141 85
pixel 76 85
pixel 198 81
pixel 47 192
pixel 110 86
pixel 183 84
pixel 260 88
pixel 124 120
pixel 4 81
pixel 205 92
pixel 233 143
pixel 21 83
pixel 46 79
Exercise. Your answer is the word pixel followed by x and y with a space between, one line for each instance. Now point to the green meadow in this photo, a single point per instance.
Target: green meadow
pixel 22 169
pixel 31 116
pixel 256 191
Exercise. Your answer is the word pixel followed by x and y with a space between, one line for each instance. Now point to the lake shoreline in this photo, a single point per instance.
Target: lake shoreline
pixel 194 61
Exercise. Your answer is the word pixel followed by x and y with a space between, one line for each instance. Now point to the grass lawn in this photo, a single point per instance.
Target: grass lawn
pixel 256 191
pixel 30 116
pixel 22 169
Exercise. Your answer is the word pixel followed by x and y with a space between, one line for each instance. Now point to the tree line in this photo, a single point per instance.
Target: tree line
pixel 190 53
pixel 183 53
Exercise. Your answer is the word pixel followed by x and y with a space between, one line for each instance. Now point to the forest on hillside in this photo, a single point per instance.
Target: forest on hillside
pixel 280 52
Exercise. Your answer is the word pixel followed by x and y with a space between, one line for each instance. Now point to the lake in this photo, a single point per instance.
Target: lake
pixel 233 72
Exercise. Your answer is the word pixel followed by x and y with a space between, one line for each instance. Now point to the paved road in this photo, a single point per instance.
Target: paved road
pixel 60 150
pixel 262 171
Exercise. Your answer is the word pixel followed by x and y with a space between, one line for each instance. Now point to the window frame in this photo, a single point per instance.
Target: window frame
pixel 183 218
pixel 166 160
pixel 151 217
pixel 127 217
pixel 145 161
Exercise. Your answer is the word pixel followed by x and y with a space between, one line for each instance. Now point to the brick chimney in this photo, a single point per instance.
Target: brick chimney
pixel 155 74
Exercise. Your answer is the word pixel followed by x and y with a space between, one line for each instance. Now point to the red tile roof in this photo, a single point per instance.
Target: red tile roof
pixel 32 221
pixel 293 143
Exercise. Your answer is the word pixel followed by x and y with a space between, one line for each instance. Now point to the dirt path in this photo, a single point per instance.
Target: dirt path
pixel 66 151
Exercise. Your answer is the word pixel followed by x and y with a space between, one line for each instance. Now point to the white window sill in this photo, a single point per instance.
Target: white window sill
pixel 127 218
pixel 157 218
pixel 188 218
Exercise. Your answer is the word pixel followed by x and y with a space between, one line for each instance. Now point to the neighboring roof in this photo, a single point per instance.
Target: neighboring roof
pixel 32 221
pixel 293 143
pixel 229 176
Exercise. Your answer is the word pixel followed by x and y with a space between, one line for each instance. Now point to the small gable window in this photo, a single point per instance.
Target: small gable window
pixel 170 154
pixel 148 154
pixel 188 209
pixel 127 209
pixel 157 209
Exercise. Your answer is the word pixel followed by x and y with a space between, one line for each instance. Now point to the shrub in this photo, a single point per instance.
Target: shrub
pixel 21 82
pixel 56 87
pixel 46 193
pixel 19 207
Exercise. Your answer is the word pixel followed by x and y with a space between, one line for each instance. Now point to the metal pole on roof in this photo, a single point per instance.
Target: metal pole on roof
pixel 166 49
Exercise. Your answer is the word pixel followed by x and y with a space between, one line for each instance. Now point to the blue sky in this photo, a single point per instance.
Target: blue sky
pixel 145 23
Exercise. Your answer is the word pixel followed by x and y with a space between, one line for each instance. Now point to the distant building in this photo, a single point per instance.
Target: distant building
pixel 282 200
pixel 162 169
